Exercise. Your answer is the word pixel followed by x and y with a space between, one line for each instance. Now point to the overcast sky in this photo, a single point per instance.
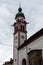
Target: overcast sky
pixel 33 11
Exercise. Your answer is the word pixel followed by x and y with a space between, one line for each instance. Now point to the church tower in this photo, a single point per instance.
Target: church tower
pixel 20 33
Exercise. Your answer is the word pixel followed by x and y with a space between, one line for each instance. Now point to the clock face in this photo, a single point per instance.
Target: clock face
pixel 22 37
pixel 15 37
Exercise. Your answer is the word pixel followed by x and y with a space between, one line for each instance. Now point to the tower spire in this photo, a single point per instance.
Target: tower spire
pixel 19 12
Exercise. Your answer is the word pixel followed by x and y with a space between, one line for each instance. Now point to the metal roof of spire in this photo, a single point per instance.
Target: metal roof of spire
pixel 20 12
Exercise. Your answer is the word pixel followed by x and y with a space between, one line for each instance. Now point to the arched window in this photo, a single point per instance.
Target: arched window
pixel 22 28
pixel 24 61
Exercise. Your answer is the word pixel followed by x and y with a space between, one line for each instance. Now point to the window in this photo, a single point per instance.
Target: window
pixel 16 28
pixel 22 28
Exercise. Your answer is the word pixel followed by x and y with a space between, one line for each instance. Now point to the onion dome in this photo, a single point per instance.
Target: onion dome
pixel 20 13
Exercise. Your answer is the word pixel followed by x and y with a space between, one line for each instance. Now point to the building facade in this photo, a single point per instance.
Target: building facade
pixel 26 51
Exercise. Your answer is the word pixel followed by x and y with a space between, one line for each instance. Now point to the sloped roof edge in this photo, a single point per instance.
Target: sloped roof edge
pixel 32 38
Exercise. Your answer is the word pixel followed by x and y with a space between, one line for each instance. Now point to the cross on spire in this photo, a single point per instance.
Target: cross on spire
pixel 19 4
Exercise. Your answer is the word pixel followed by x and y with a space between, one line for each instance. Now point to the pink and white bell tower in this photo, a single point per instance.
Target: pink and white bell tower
pixel 20 33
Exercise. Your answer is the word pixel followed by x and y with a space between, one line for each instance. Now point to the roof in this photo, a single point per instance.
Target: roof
pixel 32 38
pixel 20 13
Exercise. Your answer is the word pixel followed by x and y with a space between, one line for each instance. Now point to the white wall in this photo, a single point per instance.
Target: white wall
pixel 37 44
pixel 15 44
pixel 22 54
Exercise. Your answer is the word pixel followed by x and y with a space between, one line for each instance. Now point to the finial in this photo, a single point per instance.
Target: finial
pixel 20 9
pixel 19 4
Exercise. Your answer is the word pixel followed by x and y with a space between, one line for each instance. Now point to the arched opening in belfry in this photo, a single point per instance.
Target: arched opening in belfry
pixel 24 61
